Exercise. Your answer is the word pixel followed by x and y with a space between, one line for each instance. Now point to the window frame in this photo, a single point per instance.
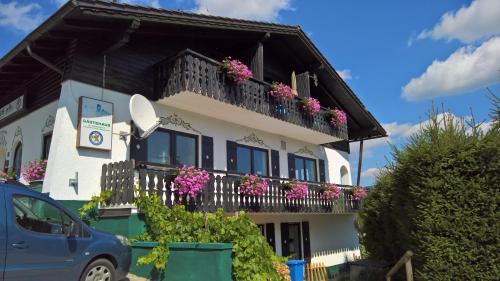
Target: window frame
pixel 173 147
pixel 304 159
pixel 252 158
pixel 46 150
pixel 61 212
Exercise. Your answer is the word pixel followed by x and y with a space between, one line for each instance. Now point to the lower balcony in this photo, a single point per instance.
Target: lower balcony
pixel 222 191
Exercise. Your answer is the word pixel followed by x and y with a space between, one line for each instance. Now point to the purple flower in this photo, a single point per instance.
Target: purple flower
pixel 330 192
pixel 34 170
pixel 337 117
pixel 281 91
pixel 297 190
pixel 253 185
pixel 236 70
pixel 311 106
pixel 190 181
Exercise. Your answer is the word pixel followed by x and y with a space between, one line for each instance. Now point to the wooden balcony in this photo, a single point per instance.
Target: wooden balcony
pixel 222 191
pixel 192 81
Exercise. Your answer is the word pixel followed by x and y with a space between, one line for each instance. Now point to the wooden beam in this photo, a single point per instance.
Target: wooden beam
pixel 257 62
pixel 124 37
pixel 360 162
pixel 303 85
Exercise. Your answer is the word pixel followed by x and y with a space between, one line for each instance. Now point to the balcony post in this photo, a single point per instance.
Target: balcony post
pixel 360 161
pixel 257 59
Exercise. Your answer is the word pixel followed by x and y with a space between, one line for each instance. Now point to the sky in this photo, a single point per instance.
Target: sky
pixel 399 57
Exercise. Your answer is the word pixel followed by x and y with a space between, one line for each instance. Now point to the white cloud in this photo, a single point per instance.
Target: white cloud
pixel 478 21
pixel 148 3
pixel 467 69
pixel 19 16
pixel 370 173
pixel 345 74
pixel 264 10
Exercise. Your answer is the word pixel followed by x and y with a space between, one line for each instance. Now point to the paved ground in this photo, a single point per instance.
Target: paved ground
pixel 132 277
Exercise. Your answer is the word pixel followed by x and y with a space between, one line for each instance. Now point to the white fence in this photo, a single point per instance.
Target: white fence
pixel 335 257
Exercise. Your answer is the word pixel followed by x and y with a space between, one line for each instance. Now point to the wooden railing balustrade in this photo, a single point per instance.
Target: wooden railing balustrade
pixel 190 71
pixel 222 191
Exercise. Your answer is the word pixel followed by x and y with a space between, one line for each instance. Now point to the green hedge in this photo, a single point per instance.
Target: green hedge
pixel 439 198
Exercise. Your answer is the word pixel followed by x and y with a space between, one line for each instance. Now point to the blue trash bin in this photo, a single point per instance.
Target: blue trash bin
pixel 296 269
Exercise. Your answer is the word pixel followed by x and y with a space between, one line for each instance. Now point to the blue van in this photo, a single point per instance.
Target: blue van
pixel 40 240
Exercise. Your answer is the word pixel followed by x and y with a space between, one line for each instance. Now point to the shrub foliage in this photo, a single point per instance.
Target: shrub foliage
pixel 439 198
pixel 253 258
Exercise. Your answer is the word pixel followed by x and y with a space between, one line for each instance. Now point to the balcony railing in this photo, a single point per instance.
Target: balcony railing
pixel 222 191
pixel 190 71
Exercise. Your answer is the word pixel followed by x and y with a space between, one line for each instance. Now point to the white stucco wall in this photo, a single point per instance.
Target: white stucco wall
pixel 327 231
pixel 29 130
pixel 65 160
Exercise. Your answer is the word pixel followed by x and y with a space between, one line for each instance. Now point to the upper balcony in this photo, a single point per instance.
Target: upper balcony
pixel 193 82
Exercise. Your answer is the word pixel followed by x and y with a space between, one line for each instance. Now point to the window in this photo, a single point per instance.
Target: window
pixel 18 155
pixel 251 160
pixel 47 139
pixel 40 216
pixel 172 148
pixel 344 175
pixel 305 169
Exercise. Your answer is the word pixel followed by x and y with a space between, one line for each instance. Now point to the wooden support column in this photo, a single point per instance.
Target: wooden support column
pixel 257 59
pixel 360 161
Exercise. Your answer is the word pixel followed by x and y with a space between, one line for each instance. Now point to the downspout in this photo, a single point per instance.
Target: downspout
pixel 360 161
pixel 43 61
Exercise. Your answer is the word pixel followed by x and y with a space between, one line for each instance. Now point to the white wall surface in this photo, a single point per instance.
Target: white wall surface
pixel 65 160
pixel 30 131
pixel 327 231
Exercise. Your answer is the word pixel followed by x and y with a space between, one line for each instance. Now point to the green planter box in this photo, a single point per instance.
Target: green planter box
pixel 187 262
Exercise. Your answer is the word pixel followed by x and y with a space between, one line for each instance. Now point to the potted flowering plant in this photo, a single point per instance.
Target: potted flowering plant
pixel 310 106
pixel 34 173
pixel 281 92
pixel 329 191
pixel 236 70
pixel 337 117
pixel 190 181
pixel 358 193
pixel 253 185
pixel 296 190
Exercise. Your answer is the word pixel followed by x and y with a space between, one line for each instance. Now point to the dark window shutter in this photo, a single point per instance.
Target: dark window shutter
pixel 322 170
pixel 138 147
pixel 303 85
pixel 275 163
pixel 284 240
pixel 207 152
pixel 305 240
pixel 270 235
pixel 231 156
pixel 291 165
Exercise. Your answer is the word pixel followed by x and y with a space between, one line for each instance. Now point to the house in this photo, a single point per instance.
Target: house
pixel 97 54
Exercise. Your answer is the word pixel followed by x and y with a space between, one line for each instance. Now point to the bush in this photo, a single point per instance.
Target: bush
pixel 439 199
pixel 253 258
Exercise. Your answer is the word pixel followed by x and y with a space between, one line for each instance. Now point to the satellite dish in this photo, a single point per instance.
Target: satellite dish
pixel 143 114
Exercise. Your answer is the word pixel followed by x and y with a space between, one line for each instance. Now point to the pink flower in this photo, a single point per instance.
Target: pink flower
pixel 236 70
pixel 330 192
pixel 190 181
pixel 35 170
pixel 281 92
pixel 252 185
pixel 358 193
pixel 311 106
pixel 337 117
pixel 297 190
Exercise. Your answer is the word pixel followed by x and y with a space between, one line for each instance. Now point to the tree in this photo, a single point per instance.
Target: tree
pixel 439 198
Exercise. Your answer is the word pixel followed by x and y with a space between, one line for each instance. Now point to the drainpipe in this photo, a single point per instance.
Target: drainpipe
pixel 43 61
pixel 360 161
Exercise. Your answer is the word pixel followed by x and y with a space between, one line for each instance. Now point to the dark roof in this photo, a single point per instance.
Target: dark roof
pixel 369 127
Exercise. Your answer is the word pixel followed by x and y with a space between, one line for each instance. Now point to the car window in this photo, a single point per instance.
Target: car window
pixel 39 216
